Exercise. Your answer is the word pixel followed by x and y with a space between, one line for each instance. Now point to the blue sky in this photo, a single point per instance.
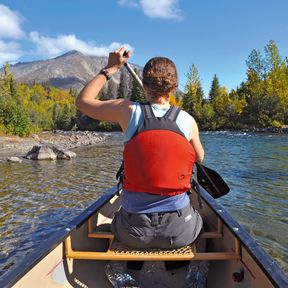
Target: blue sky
pixel 216 36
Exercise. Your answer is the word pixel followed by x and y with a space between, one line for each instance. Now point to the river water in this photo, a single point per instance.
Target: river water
pixel 37 198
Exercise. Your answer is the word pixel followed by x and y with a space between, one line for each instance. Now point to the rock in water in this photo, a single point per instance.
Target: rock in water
pixel 47 152
pixel 66 154
pixel 14 159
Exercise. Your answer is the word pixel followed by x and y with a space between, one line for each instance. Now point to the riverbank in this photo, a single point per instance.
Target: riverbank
pixel 18 146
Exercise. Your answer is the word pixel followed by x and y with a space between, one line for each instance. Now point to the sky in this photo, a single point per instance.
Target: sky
pixel 215 35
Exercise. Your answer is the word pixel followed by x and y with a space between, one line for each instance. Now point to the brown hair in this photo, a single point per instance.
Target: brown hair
pixel 160 76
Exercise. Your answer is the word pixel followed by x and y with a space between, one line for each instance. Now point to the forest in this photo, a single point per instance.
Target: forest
pixel 260 101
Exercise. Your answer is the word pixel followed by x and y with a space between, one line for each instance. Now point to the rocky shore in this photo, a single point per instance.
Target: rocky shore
pixel 17 146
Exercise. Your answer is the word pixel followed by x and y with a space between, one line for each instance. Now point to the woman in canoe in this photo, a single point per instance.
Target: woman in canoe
pixel 161 146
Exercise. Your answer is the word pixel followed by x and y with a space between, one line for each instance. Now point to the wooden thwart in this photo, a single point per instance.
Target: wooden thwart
pixel 118 251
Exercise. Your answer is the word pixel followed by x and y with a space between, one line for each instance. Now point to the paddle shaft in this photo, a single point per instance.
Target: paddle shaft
pixel 133 73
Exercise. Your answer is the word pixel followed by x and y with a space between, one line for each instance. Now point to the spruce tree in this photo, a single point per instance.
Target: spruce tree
pixel 137 93
pixel 121 88
pixel 215 89
pixel 193 95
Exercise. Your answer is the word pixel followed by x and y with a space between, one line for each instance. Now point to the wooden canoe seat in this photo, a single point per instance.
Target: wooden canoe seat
pixel 119 252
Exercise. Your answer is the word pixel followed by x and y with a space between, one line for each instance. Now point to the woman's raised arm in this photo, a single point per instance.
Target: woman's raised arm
pixel 118 110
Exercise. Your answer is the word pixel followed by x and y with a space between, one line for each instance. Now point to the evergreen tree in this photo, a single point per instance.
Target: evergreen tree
pixel 111 90
pixel 65 119
pixel 121 88
pixel 215 89
pixel 137 93
pixel 193 95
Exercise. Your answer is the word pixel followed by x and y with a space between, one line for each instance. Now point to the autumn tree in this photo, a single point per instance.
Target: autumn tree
pixel 14 118
pixel 267 87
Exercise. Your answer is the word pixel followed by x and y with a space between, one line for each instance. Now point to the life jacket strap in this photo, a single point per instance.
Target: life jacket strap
pixel 147 110
pixel 171 114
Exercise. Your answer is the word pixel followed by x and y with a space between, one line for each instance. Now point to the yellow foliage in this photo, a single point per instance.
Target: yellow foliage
pixel 175 101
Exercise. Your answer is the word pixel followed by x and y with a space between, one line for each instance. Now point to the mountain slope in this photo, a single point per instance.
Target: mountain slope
pixel 70 70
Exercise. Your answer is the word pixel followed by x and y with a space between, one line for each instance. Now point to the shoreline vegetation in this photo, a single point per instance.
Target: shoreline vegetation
pixel 259 104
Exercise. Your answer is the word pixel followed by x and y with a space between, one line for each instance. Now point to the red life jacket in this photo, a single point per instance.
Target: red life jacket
pixel 158 159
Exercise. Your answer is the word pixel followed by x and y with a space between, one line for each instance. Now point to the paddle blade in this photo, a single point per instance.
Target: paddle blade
pixel 211 181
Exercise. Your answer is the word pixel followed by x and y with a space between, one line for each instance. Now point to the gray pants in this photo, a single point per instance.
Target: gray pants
pixel 157 230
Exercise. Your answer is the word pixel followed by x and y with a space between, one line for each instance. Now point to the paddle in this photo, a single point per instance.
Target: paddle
pixel 209 179
pixel 133 73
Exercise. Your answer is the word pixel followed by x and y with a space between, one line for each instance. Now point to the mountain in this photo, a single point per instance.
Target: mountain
pixel 70 70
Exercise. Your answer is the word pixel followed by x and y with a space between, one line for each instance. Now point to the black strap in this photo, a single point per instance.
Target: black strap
pixel 147 110
pixel 172 113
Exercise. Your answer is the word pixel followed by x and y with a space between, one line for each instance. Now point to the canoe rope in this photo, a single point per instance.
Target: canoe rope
pixel 250 272
pixel 54 267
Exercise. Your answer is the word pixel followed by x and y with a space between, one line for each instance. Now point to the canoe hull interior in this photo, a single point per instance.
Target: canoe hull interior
pixel 55 270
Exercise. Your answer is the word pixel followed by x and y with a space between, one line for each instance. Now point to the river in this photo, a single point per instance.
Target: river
pixel 37 198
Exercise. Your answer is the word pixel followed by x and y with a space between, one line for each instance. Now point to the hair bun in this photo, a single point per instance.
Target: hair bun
pixel 160 76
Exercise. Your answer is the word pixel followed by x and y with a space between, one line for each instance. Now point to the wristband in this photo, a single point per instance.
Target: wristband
pixel 106 74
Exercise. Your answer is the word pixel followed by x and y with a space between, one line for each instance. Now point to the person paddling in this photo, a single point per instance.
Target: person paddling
pixel 161 144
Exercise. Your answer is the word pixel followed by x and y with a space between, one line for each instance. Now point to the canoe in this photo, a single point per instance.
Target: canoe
pixel 76 255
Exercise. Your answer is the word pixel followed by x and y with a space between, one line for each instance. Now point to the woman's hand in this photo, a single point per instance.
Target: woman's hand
pixel 117 59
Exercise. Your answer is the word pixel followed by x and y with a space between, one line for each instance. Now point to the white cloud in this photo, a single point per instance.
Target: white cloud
pixel 164 9
pixel 10 23
pixel 50 47
pixel 9 52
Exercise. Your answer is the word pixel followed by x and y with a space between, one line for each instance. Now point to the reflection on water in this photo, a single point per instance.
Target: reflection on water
pixel 37 198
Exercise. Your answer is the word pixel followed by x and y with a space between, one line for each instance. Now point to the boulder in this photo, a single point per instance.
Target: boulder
pixel 48 152
pixel 14 159
pixel 66 154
